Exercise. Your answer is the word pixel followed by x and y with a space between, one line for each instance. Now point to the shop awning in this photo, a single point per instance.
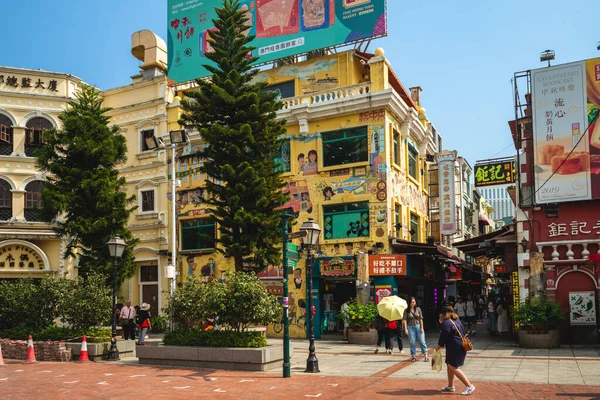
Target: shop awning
pixel 484 218
pixel 481 245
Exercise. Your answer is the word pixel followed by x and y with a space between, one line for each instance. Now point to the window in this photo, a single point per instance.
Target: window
pixel 397 219
pixel 345 146
pixel 344 221
pixel 282 157
pixel 148 141
pixel 5 201
pixel 6 136
pixel 283 90
pixel 34 134
pixel 149 273
pixel 198 234
pixel 396 144
pixel 147 200
pixel 33 200
pixel 413 166
pixel 414 227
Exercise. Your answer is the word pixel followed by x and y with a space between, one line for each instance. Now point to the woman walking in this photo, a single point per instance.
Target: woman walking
pixel 451 334
pixel 144 321
pixel 382 334
pixel 491 314
pixel 502 318
pixel 414 328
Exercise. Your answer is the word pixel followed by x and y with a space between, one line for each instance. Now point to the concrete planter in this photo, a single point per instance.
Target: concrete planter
pixel 369 338
pixel 262 359
pixel 96 351
pixel 543 340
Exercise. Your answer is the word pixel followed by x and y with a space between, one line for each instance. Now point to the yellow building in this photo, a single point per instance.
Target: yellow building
pixel 30 102
pixel 353 159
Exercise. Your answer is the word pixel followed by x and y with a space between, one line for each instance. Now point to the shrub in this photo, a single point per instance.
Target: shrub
pixel 539 314
pixel 159 323
pixel 214 338
pixel 89 302
pixel 195 301
pixel 95 335
pixel 360 317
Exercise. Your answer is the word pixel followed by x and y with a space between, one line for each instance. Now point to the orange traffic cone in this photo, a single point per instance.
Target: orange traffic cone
pixel 30 351
pixel 1 359
pixel 83 355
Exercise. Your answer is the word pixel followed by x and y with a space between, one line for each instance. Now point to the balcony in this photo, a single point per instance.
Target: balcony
pixel 569 250
pixel 328 96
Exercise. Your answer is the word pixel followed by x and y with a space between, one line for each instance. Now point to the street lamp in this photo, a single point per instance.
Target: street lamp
pixel 313 231
pixel 116 246
pixel 547 55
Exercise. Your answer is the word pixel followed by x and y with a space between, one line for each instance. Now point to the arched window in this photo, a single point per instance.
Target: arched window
pixel 5 201
pixel 34 134
pixel 6 136
pixel 33 200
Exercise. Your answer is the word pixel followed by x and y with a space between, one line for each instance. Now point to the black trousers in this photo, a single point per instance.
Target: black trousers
pixel 385 335
pixel 129 331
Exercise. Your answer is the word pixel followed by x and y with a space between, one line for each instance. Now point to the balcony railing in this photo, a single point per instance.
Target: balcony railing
pixel 566 250
pixel 32 214
pixel 328 96
pixel 5 214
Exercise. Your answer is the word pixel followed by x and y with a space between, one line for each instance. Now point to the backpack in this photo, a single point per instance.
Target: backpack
pixel 392 325
pixel 379 324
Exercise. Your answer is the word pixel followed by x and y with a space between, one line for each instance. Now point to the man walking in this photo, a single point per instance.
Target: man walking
pixel 127 318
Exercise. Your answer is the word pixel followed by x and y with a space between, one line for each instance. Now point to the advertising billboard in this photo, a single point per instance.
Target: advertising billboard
pixel 446 160
pixel 282 28
pixel 494 173
pixel 387 264
pixel 566 104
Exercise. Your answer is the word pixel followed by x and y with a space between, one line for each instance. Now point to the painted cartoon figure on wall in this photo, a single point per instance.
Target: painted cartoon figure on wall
pixel 336 249
pixel 207 271
pixel 298 278
pixel 328 193
pixel 349 248
pixel 355 230
pixel 310 166
pixel 301 159
pixel 191 265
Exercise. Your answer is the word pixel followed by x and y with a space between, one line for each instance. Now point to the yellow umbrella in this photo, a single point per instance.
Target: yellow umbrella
pixel 392 308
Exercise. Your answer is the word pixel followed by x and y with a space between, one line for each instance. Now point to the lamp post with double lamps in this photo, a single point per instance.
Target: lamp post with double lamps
pixel 313 230
pixel 116 246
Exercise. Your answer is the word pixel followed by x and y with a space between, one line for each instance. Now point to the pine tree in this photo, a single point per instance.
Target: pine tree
pixel 84 196
pixel 236 119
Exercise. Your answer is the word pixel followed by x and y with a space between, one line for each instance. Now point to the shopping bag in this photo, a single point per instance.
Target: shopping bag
pixel 436 361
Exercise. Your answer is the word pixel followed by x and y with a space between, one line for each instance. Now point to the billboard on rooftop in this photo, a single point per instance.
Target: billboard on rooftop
pixel 282 28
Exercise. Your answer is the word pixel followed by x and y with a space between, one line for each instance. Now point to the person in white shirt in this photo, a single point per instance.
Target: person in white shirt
pixel 461 310
pixel 471 319
pixel 127 318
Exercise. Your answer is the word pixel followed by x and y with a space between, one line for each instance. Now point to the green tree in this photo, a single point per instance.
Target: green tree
pixel 236 117
pixel 84 195
pixel 89 302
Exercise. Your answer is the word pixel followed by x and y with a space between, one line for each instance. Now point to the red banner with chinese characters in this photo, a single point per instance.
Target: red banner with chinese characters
pixel 387 264
pixel 576 221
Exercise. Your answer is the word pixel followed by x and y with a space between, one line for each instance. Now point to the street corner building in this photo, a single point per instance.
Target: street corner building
pixel 30 102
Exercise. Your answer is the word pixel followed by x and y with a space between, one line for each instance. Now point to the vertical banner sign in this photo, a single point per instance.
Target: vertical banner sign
pixel 446 160
pixel 282 28
pixel 516 298
pixel 566 101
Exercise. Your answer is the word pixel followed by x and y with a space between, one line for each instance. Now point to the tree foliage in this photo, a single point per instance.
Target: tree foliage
pixel 84 196
pixel 236 118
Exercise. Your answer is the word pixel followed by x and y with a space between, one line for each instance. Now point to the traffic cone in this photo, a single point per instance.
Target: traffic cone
pixel 30 351
pixel 83 355
pixel 1 359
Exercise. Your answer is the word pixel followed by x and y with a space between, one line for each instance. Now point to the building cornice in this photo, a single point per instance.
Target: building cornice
pixel 41 72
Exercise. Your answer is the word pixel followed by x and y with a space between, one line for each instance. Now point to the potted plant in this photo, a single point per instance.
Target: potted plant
pixel 159 323
pixel 538 320
pixel 361 320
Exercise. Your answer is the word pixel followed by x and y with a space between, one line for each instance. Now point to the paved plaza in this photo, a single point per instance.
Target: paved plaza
pixel 497 366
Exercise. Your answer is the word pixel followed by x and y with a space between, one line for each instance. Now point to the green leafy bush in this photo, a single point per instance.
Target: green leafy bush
pixel 214 338
pixel 239 303
pixel 94 335
pixel 360 317
pixel 159 323
pixel 539 314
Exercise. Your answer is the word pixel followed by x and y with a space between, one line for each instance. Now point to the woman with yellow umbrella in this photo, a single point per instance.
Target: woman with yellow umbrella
pixel 392 308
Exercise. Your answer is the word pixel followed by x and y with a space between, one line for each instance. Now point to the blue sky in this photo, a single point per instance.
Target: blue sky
pixel 462 53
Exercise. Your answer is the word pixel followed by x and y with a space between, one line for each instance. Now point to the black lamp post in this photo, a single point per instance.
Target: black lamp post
pixel 116 246
pixel 313 231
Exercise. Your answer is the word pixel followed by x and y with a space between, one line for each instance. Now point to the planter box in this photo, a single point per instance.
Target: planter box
pixel 97 351
pixel 369 337
pixel 547 340
pixel 262 359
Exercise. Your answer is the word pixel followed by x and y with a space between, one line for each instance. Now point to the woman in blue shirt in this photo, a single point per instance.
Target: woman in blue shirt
pixel 451 333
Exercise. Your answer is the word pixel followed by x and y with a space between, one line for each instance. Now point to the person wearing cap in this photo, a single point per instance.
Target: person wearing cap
pixel 144 320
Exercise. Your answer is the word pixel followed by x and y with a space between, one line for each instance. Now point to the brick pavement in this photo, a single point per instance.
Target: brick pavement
pixel 120 381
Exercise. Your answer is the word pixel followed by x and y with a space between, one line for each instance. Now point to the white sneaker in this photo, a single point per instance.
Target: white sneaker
pixel 468 390
pixel 448 389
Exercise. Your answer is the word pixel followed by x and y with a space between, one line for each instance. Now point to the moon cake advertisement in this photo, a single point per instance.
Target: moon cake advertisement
pixel 566 104
pixel 282 28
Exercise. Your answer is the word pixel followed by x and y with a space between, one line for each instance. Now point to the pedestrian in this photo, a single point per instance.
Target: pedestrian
pixel 390 331
pixel 471 309
pixel 412 322
pixel 144 320
pixel 451 334
pixel 502 318
pixel 398 335
pixel 381 327
pixel 481 302
pixel 136 321
pixel 345 317
pixel 127 318
pixel 491 314
pixel 461 310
